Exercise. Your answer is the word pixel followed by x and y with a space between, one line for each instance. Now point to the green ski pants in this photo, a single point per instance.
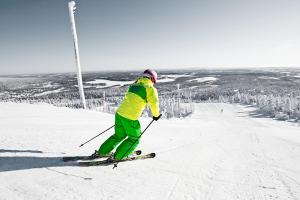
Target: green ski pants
pixel 127 129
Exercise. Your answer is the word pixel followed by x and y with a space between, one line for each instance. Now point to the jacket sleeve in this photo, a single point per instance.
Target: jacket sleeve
pixel 152 99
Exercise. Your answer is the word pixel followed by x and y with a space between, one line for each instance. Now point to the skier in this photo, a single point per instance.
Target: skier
pixel 127 126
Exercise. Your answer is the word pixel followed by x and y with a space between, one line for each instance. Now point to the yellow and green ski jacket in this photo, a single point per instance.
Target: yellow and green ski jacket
pixel 139 94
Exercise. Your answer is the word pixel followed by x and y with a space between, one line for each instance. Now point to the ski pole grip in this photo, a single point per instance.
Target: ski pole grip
pixel 157 118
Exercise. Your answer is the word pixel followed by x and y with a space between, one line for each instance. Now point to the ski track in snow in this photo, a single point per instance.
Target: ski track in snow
pixel 211 155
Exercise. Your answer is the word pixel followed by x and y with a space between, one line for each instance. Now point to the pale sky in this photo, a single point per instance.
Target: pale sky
pixel 35 35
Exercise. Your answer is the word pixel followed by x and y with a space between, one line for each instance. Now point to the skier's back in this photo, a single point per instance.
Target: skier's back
pixel 139 94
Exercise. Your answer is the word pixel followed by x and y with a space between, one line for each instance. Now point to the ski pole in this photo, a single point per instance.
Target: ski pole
pixel 96 136
pixel 116 164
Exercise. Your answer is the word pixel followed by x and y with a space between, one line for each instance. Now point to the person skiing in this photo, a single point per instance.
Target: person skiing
pixel 127 126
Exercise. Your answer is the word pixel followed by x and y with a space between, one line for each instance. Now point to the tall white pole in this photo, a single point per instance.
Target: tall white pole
pixel 79 77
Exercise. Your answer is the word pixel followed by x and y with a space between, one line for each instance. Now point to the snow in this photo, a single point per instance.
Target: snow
pixel 13 79
pixel 49 92
pixel 108 83
pixel 165 80
pixel 213 154
pixel 203 79
pixel 268 77
pixel 176 75
pixel 50 85
pixel 4 79
pixel 171 77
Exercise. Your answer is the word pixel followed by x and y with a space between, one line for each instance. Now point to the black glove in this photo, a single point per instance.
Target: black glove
pixel 156 118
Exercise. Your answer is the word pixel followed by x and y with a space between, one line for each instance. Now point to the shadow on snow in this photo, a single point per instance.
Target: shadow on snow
pixel 19 151
pixel 14 163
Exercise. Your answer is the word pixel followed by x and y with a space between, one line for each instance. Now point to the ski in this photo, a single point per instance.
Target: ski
pixel 94 156
pixel 110 161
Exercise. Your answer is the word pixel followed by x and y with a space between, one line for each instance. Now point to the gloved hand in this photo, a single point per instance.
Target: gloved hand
pixel 156 118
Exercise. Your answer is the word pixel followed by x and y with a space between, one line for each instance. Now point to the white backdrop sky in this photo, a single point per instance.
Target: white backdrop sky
pixel 35 35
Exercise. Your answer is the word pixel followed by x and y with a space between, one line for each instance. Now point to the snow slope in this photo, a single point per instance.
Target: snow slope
pixel 211 155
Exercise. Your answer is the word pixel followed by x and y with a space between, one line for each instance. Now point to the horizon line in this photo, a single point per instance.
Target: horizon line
pixel 159 70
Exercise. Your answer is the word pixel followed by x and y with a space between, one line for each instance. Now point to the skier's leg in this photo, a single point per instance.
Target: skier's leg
pixel 133 130
pixel 114 140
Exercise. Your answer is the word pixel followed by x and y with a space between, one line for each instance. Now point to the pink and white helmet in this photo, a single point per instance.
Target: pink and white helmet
pixel 151 74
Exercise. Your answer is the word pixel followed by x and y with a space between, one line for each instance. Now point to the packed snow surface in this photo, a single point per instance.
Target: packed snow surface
pixel 220 152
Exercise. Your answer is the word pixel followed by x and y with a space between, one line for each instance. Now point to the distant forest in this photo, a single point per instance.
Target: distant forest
pixel 274 92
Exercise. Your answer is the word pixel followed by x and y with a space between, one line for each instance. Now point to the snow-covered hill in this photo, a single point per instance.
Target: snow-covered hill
pixel 211 155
